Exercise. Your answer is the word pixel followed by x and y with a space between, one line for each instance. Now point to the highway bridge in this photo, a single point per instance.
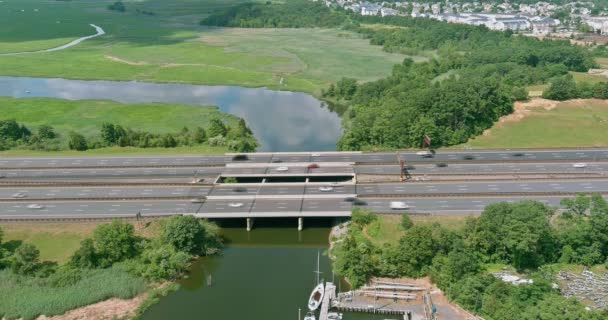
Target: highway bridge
pixel 298 185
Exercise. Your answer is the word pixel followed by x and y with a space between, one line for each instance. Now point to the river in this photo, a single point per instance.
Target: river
pixel 280 120
pixel 265 274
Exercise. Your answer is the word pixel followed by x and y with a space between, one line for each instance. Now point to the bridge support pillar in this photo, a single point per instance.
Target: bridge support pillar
pixel 300 223
pixel 249 224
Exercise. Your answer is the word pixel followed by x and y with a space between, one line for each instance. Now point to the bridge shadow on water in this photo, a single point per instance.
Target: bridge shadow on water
pixel 276 231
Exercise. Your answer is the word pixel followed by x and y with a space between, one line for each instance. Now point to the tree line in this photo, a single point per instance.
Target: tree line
pixel 291 14
pixel 471 77
pixel 113 248
pixel 526 235
pixel 564 88
pixel 238 138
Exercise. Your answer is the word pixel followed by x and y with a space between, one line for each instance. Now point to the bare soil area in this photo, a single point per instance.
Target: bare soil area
pixel 112 308
pixel 521 109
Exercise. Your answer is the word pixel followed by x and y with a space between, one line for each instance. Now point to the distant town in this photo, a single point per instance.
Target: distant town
pixel 539 19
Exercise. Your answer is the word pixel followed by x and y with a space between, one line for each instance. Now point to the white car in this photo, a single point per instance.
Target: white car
pixel 35 206
pixel 326 189
pixel 19 195
pixel 315 155
pixel 197 201
pixel 282 169
pixel 423 153
pixel 580 165
pixel 399 205
pixel 235 204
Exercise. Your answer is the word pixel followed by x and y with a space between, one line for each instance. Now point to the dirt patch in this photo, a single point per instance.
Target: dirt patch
pixel 133 63
pixel 521 109
pixel 112 308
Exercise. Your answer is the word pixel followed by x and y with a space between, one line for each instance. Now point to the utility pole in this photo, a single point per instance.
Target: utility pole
pixel 401 167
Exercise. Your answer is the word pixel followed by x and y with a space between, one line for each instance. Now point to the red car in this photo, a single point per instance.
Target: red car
pixel 313 166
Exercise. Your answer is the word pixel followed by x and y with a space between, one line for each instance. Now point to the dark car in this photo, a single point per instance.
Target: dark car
pixel 239 189
pixel 240 157
pixel 518 154
pixel 312 166
pixel 468 157
pixel 441 165
pixel 276 160
pixel 350 199
pixel 409 167
pixel 359 202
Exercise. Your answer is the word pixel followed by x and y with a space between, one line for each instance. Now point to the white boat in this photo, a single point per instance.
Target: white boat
pixel 334 316
pixel 316 297
pixel 310 316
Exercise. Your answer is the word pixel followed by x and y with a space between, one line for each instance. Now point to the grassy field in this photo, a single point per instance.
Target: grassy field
pixel 86 117
pixel 576 123
pixel 28 297
pixel 387 229
pixel 603 62
pixel 170 46
pixel 57 241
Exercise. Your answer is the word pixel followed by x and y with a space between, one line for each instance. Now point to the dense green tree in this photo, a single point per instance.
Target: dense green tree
pixel 114 242
pixel 291 14
pixel 11 130
pixel 25 260
pixel 362 217
pixel 406 221
pixel 216 128
pixel 169 141
pixel 160 261
pixel 199 135
pixel 417 248
pixel 562 88
pixel 185 233
pixel 117 6
pixel 517 233
pixel 245 144
pixel 346 88
pixel 77 142
pixel 460 261
pixel 86 256
pixel 108 134
pixel 356 261
pixel 46 132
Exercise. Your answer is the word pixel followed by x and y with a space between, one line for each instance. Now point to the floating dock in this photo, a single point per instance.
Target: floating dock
pixel 330 295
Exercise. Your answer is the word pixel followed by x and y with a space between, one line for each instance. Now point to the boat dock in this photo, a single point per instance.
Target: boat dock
pixel 330 295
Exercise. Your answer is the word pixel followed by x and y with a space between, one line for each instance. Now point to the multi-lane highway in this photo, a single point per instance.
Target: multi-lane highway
pixel 188 173
pixel 261 208
pixel 384 157
pixel 159 185
pixel 321 190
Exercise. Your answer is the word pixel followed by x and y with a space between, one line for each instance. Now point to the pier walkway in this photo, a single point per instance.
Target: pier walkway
pixel 330 294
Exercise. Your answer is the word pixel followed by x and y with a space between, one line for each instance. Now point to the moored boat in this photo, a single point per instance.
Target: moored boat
pixel 310 316
pixel 316 297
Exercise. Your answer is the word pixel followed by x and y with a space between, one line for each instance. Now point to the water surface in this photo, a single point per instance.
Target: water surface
pixel 280 120
pixel 265 274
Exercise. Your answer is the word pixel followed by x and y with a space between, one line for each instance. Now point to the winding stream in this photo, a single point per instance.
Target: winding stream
pixel 98 29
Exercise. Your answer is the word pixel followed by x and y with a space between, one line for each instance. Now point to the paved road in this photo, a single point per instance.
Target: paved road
pixel 208 172
pixel 317 190
pixel 261 208
pixel 114 173
pixel 386 157
pixel 123 192
pixel 486 168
